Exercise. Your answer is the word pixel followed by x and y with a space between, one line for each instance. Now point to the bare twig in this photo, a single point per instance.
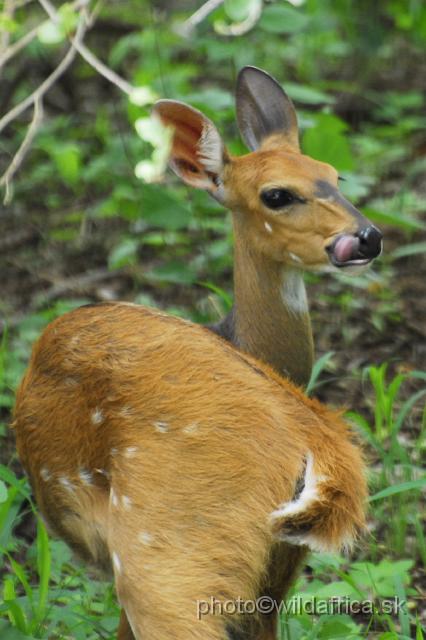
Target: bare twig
pixel 50 80
pixel 18 158
pixel 198 16
pixel 105 71
pixel 16 47
pixel 90 57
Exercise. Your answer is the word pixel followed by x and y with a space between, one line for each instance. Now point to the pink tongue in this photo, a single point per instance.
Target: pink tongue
pixel 345 248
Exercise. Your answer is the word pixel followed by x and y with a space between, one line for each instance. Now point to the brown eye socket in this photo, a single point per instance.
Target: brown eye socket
pixel 278 198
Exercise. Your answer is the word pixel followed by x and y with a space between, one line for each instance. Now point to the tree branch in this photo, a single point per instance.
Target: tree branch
pixel 90 57
pixel 50 80
pixel 18 158
pixel 198 16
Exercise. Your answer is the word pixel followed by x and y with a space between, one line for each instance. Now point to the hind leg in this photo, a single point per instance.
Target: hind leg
pixel 124 630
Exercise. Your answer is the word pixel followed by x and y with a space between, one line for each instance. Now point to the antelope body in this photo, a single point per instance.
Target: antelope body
pixel 157 450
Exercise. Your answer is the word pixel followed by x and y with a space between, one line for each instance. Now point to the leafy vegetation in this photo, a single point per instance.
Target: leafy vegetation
pixel 78 224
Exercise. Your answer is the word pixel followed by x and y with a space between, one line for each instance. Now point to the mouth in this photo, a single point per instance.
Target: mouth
pixel 345 251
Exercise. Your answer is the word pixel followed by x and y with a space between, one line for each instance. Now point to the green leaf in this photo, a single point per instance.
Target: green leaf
pixel 410 250
pixel 236 10
pixel 174 272
pixel 43 568
pixel 307 95
pixel 283 19
pixel 399 488
pixel 162 209
pixel 123 254
pixel 402 221
pixel 3 492
pixel 318 367
pixel 67 157
pixel 326 142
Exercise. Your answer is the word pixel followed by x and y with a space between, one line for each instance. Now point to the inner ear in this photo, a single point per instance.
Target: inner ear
pixel 198 154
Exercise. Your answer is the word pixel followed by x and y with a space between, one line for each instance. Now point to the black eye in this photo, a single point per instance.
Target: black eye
pixel 278 198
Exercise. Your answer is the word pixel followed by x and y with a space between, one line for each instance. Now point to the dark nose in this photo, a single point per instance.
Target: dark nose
pixel 370 241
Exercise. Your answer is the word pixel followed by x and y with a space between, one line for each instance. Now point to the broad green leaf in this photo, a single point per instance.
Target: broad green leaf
pixel 174 272
pixel 236 10
pixel 278 18
pixel 162 209
pixel 327 142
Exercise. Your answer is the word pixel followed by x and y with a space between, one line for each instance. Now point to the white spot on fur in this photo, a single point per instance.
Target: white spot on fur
pixel 71 382
pixel 85 476
pixel 45 474
pixel 210 149
pixel 145 537
pixel 295 258
pixel 162 427
pixel 126 502
pixel 103 472
pixel 116 562
pixel 126 412
pixel 67 484
pixel 268 227
pixel 97 416
pixel 113 497
pixel 308 495
pixel 130 452
pixel 293 291
pixel 191 428
pixel 114 451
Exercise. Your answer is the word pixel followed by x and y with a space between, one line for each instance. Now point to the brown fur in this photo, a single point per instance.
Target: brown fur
pixel 190 447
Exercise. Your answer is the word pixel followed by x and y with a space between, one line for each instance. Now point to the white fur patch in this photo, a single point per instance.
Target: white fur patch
pixel 67 484
pixel 191 428
pixel 97 416
pixel 161 427
pixel 268 227
pixel 295 258
pixel 210 149
pixel 113 497
pixel 126 412
pixel 103 472
pixel 126 502
pixel 145 537
pixel 45 474
pixel 116 562
pixel 308 495
pixel 130 452
pixel 293 291
pixel 85 476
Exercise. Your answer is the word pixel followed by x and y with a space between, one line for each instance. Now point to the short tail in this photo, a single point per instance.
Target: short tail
pixel 328 514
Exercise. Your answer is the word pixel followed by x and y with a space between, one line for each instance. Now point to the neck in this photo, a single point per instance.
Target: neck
pixel 270 318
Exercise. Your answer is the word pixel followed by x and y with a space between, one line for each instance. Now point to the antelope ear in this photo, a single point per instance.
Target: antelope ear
pixel 198 155
pixel 264 110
